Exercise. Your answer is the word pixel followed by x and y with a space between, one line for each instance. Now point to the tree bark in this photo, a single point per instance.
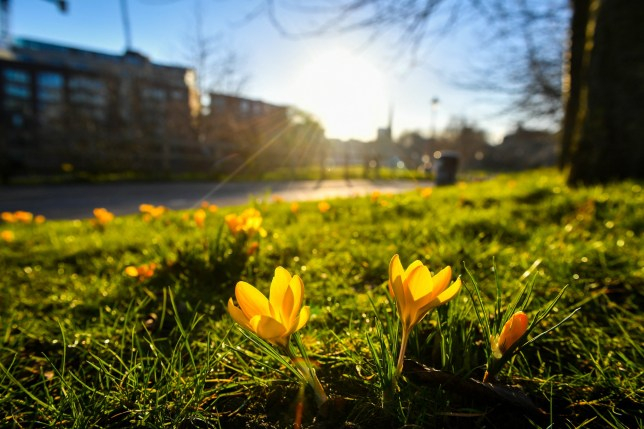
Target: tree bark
pixel 604 124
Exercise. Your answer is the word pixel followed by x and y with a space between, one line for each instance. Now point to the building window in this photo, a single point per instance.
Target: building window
pixel 244 107
pixel 154 94
pixel 49 91
pixel 88 90
pixel 88 95
pixel 50 80
pixel 86 83
pixel 178 95
pixel 50 87
pixel 17 91
pixel 17 76
pixel 218 103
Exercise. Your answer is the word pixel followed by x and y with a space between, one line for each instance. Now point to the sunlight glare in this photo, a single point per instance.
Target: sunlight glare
pixel 345 92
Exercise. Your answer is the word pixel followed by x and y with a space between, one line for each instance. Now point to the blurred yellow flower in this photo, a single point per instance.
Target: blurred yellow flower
pixel 8 217
pixel 417 292
pixel 295 207
pixel 141 272
pixel 324 207
pixel 212 208
pixel 252 248
pixel 67 167
pixel 248 222
pixel 426 192
pixel 23 217
pixel 151 212
pixel 102 216
pixel 7 236
pixel 200 218
pixel 276 318
pixel 511 332
pixel 374 196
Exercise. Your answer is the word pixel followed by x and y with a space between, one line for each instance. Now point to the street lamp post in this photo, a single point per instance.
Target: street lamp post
pixel 435 102
pixel 432 138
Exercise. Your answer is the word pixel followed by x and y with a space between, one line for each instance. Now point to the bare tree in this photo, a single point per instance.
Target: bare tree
pixel 524 39
pixel 602 127
pixel 219 68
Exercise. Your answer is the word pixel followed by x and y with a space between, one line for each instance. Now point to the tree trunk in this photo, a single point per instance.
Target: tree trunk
pixel 575 68
pixel 604 124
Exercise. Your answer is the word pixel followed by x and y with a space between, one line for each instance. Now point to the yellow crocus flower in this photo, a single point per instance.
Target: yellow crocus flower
pixel 200 218
pixel 8 217
pixel 510 334
pixel 249 222
pixel 24 217
pixel 145 208
pixel 426 192
pixel 417 292
pixel 102 216
pixel 131 271
pixel 276 318
pixel 324 207
pixel 7 236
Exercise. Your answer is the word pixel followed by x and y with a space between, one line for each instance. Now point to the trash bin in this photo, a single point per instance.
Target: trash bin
pixel 445 168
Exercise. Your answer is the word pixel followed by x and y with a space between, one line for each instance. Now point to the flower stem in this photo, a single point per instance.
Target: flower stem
pixel 308 372
pixel 401 354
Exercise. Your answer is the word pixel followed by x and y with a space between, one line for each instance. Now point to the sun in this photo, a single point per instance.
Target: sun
pixel 345 92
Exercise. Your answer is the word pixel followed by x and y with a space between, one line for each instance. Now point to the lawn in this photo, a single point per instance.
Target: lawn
pixel 91 337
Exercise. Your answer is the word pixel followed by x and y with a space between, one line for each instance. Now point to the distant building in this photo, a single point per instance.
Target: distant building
pixel 95 111
pixel 524 149
pixel 235 128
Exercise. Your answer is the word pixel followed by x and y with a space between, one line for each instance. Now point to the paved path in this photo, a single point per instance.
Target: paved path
pixel 76 201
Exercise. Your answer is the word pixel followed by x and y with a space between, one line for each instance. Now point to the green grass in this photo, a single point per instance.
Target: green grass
pixel 84 345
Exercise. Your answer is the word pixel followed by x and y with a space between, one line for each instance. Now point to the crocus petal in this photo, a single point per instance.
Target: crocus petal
pixel 512 330
pixel 279 285
pixel 238 315
pixel 412 267
pixel 450 292
pixel 441 280
pixel 402 301
pixel 297 286
pixel 419 283
pixel 395 270
pixel 304 316
pixel 267 327
pixel 286 307
pixel 445 296
pixel 494 342
pixel 251 301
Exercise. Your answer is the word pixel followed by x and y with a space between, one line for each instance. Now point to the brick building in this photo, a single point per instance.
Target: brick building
pixel 95 111
pixel 236 130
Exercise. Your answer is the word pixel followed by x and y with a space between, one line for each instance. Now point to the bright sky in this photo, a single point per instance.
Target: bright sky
pixel 345 81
